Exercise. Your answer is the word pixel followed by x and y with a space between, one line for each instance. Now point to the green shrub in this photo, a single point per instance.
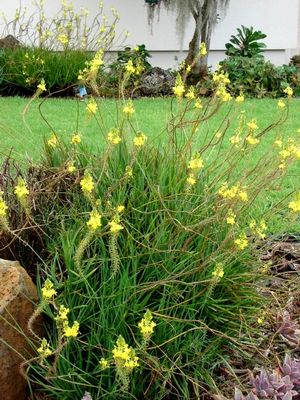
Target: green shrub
pixel 171 228
pixel 245 43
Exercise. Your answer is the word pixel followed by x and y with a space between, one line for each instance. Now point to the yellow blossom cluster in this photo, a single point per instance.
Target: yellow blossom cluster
pixel 94 221
pixel 87 183
pixel 251 139
pixel 114 136
pixel 198 104
pixel 128 109
pixel 90 71
pixel 241 241
pixel 295 204
pixel 21 190
pixel 62 314
pixel 3 206
pixel 71 167
pixel 218 272
pixel 230 218
pixel 190 94
pixel 194 165
pixel 221 80
pixel 258 228
pixel 103 364
pixel 48 290
pixel 134 69
pixel 92 106
pixel 53 141
pixel 140 139
pixel 41 86
pixel 240 98
pixel 202 49
pixel 115 225
pixel 76 139
pixel 71 331
pixel 252 125
pixel 124 356
pixel 128 172
pixel 179 88
pixel 289 91
pixel 281 104
pixel 288 151
pixel 147 325
pixel 233 192
pixel 44 349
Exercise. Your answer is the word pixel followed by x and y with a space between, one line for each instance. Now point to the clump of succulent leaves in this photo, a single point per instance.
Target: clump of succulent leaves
pixel 280 384
pixel 288 329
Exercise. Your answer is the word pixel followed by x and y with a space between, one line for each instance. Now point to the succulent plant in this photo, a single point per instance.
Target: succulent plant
pixel 288 329
pixel 280 384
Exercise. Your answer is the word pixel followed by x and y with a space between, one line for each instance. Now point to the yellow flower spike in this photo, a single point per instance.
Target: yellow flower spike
pixel 44 349
pixel 230 219
pixel 235 140
pixel 260 320
pixel 71 167
pixel 48 290
pixel 120 209
pixel 92 106
pixel 295 204
pixel 129 67
pixel 76 139
pixel 179 88
pixel 140 139
pixel 242 241
pixel 71 331
pixel 114 136
pixel 202 49
pixel 240 98
pixel 42 86
pixel 3 207
pixel 95 220
pixel 289 91
pixel 53 141
pixel 190 93
pixel 21 190
pixel 124 356
pixel 191 180
pixel 252 125
pixel 243 195
pixel 87 183
pixel 128 172
pixel 281 104
pixel 103 364
pixel 146 326
pixel 188 69
pixel 252 140
pixel 196 162
pixel 115 227
pixel 198 104
pixel 128 109
pixel 62 314
pixel 63 39
pixel 218 272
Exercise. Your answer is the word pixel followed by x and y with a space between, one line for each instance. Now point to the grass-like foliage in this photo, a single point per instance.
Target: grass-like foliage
pixel 151 277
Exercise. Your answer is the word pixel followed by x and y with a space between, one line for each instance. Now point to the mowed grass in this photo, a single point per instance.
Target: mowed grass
pixel 24 126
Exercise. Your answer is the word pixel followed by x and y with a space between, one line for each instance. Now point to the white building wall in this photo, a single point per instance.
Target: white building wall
pixel 279 19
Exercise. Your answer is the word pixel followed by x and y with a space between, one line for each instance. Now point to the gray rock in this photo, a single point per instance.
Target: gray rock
pixel 157 81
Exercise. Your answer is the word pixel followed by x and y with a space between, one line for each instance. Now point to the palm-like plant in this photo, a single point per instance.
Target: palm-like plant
pixel 246 43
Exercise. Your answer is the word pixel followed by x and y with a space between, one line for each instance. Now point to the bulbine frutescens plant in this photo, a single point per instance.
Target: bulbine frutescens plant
pixel 153 249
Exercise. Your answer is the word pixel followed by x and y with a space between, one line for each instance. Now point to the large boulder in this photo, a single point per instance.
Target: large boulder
pixel 9 42
pixel 157 81
pixel 18 297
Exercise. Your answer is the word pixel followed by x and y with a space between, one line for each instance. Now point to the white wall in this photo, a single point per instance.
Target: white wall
pixel 279 19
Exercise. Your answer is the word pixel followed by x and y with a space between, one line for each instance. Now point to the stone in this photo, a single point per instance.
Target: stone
pixel 9 42
pixel 18 297
pixel 157 81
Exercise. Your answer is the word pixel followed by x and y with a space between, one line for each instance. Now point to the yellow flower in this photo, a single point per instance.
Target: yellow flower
pixel 179 88
pixel 190 93
pixel 71 331
pixel 76 139
pixel 289 91
pixel 95 220
pixel 129 67
pixel 44 349
pixel 86 183
pixel 203 50
pixel 191 180
pixel 278 143
pixel 53 142
pixel 281 104
pixel 21 190
pixel 198 104
pixel 235 140
pixel 146 325
pixel 223 94
pixel 120 209
pixel 230 217
pixel 71 167
pixel 103 364
pixel 140 139
pixel 128 172
pixel 240 98
pixel 241 241
pixel 188 68
pixel 252 140
pixel 124 355
pixel 3 207
pixel 113 136
pixel 218 272
pixel 115 227
pixel 92 106
pixel 63 39
pixel 252 125
pixel 258 228
pixel 295 204
pixel 128 108
pixel 196 162
pixel 48 290
pixel 42 86
pixel 260 320
pixel 62 314
pixel 242 194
